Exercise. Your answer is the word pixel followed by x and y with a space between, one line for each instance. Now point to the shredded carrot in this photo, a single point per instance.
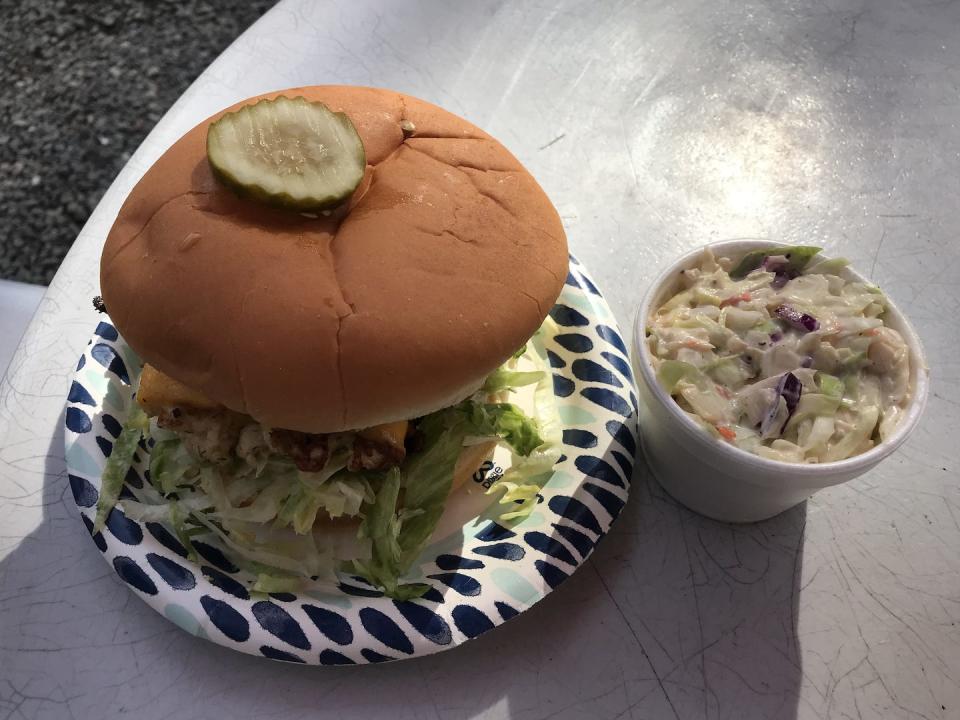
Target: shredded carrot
pixel 726 432
pixel 736 299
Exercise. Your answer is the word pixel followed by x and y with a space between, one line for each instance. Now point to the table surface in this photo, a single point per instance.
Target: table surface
pixel 654 127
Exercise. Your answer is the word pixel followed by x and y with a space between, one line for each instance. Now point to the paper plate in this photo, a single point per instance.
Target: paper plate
pixel 480 573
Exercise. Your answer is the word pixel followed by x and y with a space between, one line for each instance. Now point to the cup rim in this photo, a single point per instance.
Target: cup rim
pixel 848 466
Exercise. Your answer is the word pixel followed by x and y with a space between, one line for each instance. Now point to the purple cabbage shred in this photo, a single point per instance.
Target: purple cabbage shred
pixel 789 388
pixel 797 319
pixel 780 267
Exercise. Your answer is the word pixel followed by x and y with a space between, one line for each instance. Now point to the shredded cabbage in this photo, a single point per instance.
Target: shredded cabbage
pixel 725 342
pixel 119 463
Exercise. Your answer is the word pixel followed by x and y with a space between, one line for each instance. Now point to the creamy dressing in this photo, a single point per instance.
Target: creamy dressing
pixel 781 356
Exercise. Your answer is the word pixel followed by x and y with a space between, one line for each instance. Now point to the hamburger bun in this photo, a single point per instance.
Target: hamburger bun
pixel 444 261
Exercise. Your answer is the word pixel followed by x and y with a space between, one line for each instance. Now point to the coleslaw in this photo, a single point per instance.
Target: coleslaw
pixel 779 354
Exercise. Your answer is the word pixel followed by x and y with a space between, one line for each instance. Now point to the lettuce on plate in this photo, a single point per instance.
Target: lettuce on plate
pixel 264 515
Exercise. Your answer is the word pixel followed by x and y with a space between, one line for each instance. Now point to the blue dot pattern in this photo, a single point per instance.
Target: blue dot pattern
pixel 282 655
pixel 227 620
pixel 225 582
pixel 611 503
pixel 575 342
pixel 568 316
pixel 621 365
pixel 551 573
pixel 426 622
pixel 504 551
pixel 549 546
pixel 78 421
pixel 579 438
pixel 595 372
pixel 84 494
pixel 79 394
pixel 126 531
pixel 608 399
pixel 471 621
pixel 575 511
pixel 133 479
pixel 462 584
pixel 372 656
pixel 356 591
pixel 625 463
pixel 621 433
pixel 493 532
pixel 166 538
pixel 111 425
pixel 106 331
pixel 384 629
pixel 353 622
pixel 580 541
pixel 173 573
pixel 332 657
pixel 332 624
pixel 612 337
pixel 133 575
pixel 433 595
pixel 455 562
pixel 563 386
pixel 600 469
pixel 214 556
pixel 278 622
pixel 506 611
pixel 106 446
pixel 97 537
pixel 111 360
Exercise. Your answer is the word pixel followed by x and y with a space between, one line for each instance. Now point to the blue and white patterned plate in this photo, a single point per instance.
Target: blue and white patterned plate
pixel 481 573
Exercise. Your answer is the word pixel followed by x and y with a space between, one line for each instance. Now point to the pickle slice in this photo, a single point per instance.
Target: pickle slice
pixel 288 152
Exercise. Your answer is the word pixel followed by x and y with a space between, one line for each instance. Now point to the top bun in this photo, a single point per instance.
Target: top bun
pixel 442 264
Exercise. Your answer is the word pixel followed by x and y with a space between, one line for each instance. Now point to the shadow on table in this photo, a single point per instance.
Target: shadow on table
pixel 712 607
pixel 673 616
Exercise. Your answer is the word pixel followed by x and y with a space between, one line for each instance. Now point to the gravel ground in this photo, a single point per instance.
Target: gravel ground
pixel 83 84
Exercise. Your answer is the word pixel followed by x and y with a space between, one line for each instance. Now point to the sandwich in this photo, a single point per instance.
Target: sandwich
pixel 333 291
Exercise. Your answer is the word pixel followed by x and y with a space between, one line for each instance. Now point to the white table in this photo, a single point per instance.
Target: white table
pixel 18 303
pixel 654 127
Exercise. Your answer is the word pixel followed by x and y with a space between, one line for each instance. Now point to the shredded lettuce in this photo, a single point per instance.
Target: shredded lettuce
pixel 503 379
pixel 269 582
pixel 263 510
pixel 118 464
pixel 521 483
pixel 797 258
pixel 311 491
pixel 399 534
pixel 169 463
pixel 506 421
